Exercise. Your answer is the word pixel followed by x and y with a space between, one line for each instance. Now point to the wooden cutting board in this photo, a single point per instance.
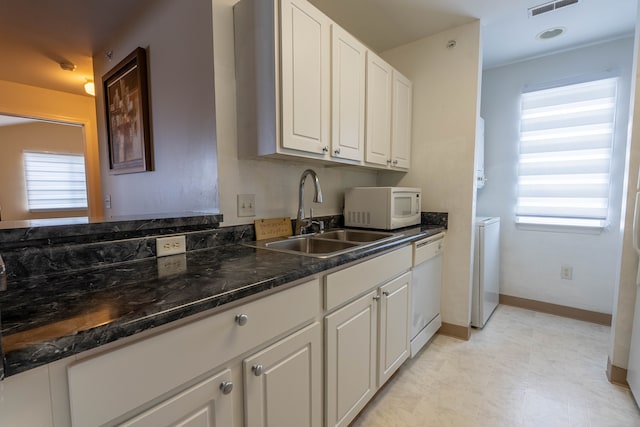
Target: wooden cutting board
pixel 272 227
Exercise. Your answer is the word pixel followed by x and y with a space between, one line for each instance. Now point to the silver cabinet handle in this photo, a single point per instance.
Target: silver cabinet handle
pixel 385 293
pixel 336 151
pixel 242 319
pixel 257 370
pixel 226 387
pixel 376 298
pixel 325 149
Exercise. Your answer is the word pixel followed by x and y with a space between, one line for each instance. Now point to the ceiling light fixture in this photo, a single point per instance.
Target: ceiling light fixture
pixel 67 66
pixel 90 88
pixel 551 33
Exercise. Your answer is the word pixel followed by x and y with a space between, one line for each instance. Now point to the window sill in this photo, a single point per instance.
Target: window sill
pixel 558 228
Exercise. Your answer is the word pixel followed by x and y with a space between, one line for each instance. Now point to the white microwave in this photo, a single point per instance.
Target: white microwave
pixel 384 208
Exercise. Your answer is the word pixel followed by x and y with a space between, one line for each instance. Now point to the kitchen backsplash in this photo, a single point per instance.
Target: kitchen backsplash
pixel 32 252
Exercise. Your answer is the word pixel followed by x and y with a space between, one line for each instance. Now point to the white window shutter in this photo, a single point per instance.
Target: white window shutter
pixel 564 168
pixel 55 181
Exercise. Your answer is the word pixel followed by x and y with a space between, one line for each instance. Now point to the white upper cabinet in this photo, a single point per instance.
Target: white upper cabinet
pixel 401 111
pixel 305 47
pixel 379 90
pixel 307 88
pixel 348 95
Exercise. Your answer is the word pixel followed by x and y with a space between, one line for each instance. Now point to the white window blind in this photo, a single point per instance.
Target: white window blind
pixel 566 138
pixel 55 181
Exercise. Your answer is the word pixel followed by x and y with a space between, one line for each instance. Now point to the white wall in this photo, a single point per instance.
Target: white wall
pixel 446 88
pixel 178 38
pixel 531 260
pixel 274 182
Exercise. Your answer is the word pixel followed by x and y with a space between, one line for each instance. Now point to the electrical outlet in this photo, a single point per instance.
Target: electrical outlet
pixel 566 272
pixel 246 205
pixel 172 265
pixel 107 201
pixel 170 245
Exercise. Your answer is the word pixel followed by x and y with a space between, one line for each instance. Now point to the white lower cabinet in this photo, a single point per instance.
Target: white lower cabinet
pixel 158 373
pixel 283 383
pixel 395 321
pixel 206 404
pixel 368 339
pixel 293 358
pixel 351 349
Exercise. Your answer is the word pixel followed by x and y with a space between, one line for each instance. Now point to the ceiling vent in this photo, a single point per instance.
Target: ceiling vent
pixel 551 6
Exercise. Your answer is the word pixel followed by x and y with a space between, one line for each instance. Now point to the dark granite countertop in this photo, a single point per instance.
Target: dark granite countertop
pixel 47 319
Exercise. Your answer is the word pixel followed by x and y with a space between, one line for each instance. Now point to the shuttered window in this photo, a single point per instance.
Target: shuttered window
pixel 564 168
pixel 55 181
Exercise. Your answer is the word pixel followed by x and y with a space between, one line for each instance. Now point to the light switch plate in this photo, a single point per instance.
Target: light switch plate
pixel 246 205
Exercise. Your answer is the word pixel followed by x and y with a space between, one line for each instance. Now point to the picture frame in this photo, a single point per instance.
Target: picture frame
pixel 126 99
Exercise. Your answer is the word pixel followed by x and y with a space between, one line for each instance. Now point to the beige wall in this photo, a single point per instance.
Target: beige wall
pixel 274 182
pixel 29 101
pixel 34 136
pixel 625 291
pixel 446 90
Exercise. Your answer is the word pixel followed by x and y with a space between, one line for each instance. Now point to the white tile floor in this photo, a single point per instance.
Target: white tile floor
pixel 523 369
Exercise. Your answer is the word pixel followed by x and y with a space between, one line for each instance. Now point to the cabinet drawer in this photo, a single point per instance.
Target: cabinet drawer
pixel 345 284
pixel 133 375
pixel 428 248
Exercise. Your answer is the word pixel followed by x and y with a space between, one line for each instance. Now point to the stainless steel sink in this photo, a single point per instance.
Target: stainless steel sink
pixel 361 236
pixel 309 245
pixel 327 244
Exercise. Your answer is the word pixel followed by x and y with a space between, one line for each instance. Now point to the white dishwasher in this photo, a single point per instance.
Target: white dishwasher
pixel 425 287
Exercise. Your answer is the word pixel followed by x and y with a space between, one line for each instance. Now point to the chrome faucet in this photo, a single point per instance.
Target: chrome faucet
pixel 301 222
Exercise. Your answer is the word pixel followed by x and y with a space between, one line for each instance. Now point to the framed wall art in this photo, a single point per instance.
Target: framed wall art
pixel 127 106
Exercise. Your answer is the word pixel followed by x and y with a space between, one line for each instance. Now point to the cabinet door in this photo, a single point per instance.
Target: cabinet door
pixel 401 121
pixel 283 383
pixel 395 308
pixel 379 88
pixel 305 60
pixel 348 86
pixel 203 405
pixel 350 359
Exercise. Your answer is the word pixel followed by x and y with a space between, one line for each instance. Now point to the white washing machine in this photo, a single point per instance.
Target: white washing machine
pixel 486 270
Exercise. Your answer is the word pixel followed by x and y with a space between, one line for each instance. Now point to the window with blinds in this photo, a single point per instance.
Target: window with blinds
pixel 55 181
pixel 564 168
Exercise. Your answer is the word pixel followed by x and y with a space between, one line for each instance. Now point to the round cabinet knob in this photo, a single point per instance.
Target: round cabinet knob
pixel 257 370
pixel 389 161
pixel 385 293
pixel 325 149
pixel 395 162
pixel 242 319
pixel 336 151
pixel 376 298
pixel 226 387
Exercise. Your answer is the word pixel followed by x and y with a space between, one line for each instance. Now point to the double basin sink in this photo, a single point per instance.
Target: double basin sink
pixel 328 243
